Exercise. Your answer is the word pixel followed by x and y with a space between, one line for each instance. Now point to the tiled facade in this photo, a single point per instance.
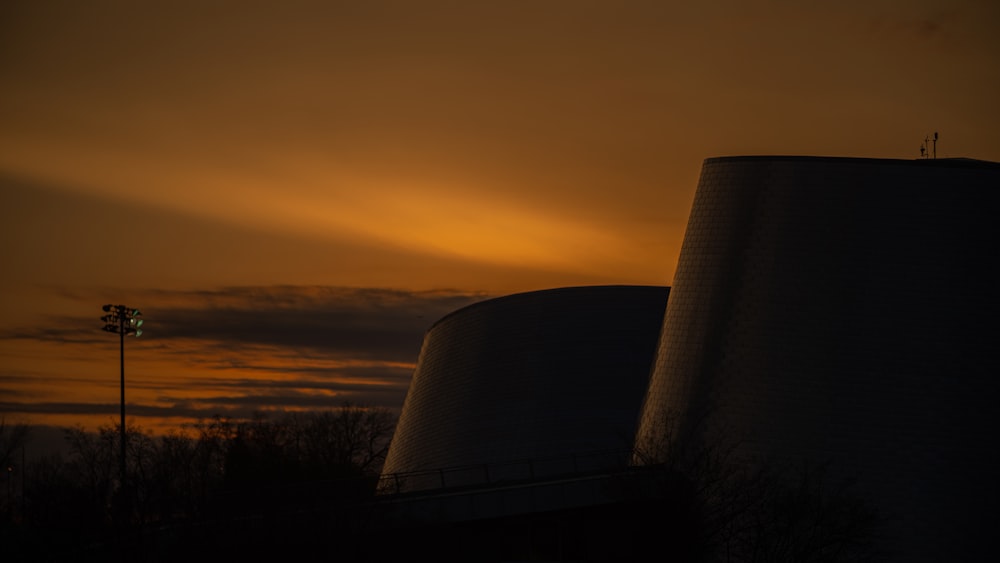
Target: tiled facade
pixel 528 377
pixel 845 311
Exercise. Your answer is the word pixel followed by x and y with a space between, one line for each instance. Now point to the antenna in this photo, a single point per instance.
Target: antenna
pixel 928 149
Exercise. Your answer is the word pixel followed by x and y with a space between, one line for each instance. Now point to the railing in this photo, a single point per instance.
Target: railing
pixel 457 477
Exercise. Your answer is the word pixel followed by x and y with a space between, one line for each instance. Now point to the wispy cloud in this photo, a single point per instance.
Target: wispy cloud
pixel 232 351
pixel 939 25
pixel 349 322
pixel 334 322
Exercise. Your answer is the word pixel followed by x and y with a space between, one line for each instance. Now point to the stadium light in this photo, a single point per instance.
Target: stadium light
pixel 123 321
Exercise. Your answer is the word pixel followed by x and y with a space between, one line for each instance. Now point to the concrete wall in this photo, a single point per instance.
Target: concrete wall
pixel 844 311
pixel 546 377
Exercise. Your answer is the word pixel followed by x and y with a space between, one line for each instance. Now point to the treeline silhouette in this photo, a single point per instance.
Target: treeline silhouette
pixel 723 505
pixel 224 486
pixel 299 485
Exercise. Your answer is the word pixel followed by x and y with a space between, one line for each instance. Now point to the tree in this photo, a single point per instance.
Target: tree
pixel 759 510
pixel 12 438
pixel 296 475
pixel 351 438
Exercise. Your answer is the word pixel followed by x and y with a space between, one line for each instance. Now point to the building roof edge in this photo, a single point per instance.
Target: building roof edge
pixel 941 162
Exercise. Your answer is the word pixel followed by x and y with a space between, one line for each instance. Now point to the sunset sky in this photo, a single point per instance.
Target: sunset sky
pixel 292 192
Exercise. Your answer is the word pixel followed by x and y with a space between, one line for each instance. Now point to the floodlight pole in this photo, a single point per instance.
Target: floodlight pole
pixel 121 356
pixel 123 320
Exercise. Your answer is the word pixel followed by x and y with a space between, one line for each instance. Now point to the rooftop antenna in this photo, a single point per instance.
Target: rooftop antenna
pixel 935 144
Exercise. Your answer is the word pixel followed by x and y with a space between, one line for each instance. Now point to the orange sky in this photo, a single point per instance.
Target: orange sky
pixel 346 164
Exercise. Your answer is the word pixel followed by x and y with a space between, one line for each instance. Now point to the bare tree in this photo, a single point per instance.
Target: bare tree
pixel 12 438
pixel 351 436
pixel 304 474
pixel 93 463
pixel 760 510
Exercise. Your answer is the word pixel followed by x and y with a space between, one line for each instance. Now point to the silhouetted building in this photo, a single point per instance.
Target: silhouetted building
pixel 527 386
pixel 843 312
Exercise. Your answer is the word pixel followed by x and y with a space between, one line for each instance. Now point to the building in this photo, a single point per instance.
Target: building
pixel 841 314
pixel 527 386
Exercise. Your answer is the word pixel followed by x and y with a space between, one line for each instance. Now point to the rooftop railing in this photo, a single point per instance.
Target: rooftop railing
pixel 524 470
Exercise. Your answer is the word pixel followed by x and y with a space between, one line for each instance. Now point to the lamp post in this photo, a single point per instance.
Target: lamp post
pixel 10 503
pixel 123 321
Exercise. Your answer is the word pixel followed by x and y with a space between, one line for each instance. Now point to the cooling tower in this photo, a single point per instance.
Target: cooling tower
pixel 527 385
pixel 842 312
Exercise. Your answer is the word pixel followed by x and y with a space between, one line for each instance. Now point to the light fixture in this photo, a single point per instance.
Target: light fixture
pixel 123 321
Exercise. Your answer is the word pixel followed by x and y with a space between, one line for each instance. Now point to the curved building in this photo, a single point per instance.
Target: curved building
pixel 527 385
pixel 843 312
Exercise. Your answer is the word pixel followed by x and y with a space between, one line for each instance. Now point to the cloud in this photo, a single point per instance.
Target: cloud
pixel 236 405
pixel 229 351
pixel 112 410
pixel 360 323
pixel 932 26
pixel 328 322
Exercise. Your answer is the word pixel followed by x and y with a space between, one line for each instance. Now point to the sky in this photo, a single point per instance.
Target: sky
pixel 293 192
